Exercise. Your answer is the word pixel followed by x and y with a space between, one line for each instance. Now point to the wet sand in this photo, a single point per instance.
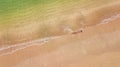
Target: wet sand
pixel 96 46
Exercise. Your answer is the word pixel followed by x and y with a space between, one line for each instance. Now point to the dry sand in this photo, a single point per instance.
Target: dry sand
pixel 95 46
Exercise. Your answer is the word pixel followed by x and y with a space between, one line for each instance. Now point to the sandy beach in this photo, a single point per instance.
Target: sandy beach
pixel 97 45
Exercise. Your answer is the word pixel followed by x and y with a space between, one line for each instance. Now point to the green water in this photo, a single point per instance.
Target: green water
pixel 7 6
pixel 11 10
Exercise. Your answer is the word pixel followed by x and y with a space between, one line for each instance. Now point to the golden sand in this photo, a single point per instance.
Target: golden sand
pixel 96 46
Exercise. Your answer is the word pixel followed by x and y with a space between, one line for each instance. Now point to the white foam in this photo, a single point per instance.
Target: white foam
pixel 107 20
pixel 13 48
